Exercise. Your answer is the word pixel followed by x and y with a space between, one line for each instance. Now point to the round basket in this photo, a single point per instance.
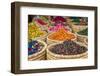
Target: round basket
pixel 81 38
pixel 41 55
pixel 53 56
pixel 69 22
pixel 69 29
pixel 42 38
pixel 50 41
pixel 42 27
pixel 77 28
pixel 86 41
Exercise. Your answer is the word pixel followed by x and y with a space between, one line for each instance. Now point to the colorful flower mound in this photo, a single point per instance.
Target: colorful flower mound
pixel 62 35
pixel 34 31
pixel 34 47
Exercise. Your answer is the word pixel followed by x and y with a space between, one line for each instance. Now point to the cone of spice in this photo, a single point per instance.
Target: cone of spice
pixel 62 35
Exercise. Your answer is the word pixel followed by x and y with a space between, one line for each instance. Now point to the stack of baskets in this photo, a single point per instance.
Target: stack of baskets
pixel 45 53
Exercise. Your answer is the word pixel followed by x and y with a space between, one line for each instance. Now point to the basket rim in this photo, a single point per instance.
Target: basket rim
pixel 86 42
pixel 36 57
pixel 40 36
pixel 81 35
pixel 79 25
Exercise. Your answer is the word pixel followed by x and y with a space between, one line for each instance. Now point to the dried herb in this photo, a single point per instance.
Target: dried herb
pixel 83 32
pixel 68 48
pixel 34 46
pixel 62 35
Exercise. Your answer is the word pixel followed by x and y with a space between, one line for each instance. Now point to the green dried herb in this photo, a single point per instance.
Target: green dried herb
pixel 83 32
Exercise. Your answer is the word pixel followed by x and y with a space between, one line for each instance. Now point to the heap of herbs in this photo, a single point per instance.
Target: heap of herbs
pixel 68 48
pixel 62 35
pixel 34 31
pixel 34 47
pixel 83 32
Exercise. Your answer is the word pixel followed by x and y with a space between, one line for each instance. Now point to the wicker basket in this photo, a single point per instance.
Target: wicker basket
pixel 53 56
pixel 81 38
pixel 42 27
pixel 77 28
pixel 69 29
pixel 69 22
pixel 50 41
pixel 41 55
pixel 42 38
pixel 86 41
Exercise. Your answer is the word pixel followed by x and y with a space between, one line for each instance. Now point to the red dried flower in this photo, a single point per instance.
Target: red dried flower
pixel 59 18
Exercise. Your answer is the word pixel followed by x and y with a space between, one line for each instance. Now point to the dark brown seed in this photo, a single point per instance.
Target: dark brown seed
pixel 68 48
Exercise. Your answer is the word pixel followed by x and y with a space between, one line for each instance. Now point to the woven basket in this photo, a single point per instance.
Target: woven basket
pixel 41 55
pixel 69 29
pixel 69 22
pixel 86 41
pixel 53 56
pixel 77 28
pixel 50 41
pixel 42 27
pixel 42 38
pixel 81 38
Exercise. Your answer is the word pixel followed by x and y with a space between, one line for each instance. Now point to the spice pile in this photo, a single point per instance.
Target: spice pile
pixel 34 31
pixel 68 48
pixel 34 46
pixel 83 32
pixel 58 22
pixel 61 35
pixel 79 21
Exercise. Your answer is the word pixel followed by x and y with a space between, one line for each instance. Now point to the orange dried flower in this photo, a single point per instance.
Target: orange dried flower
pixel 61 35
